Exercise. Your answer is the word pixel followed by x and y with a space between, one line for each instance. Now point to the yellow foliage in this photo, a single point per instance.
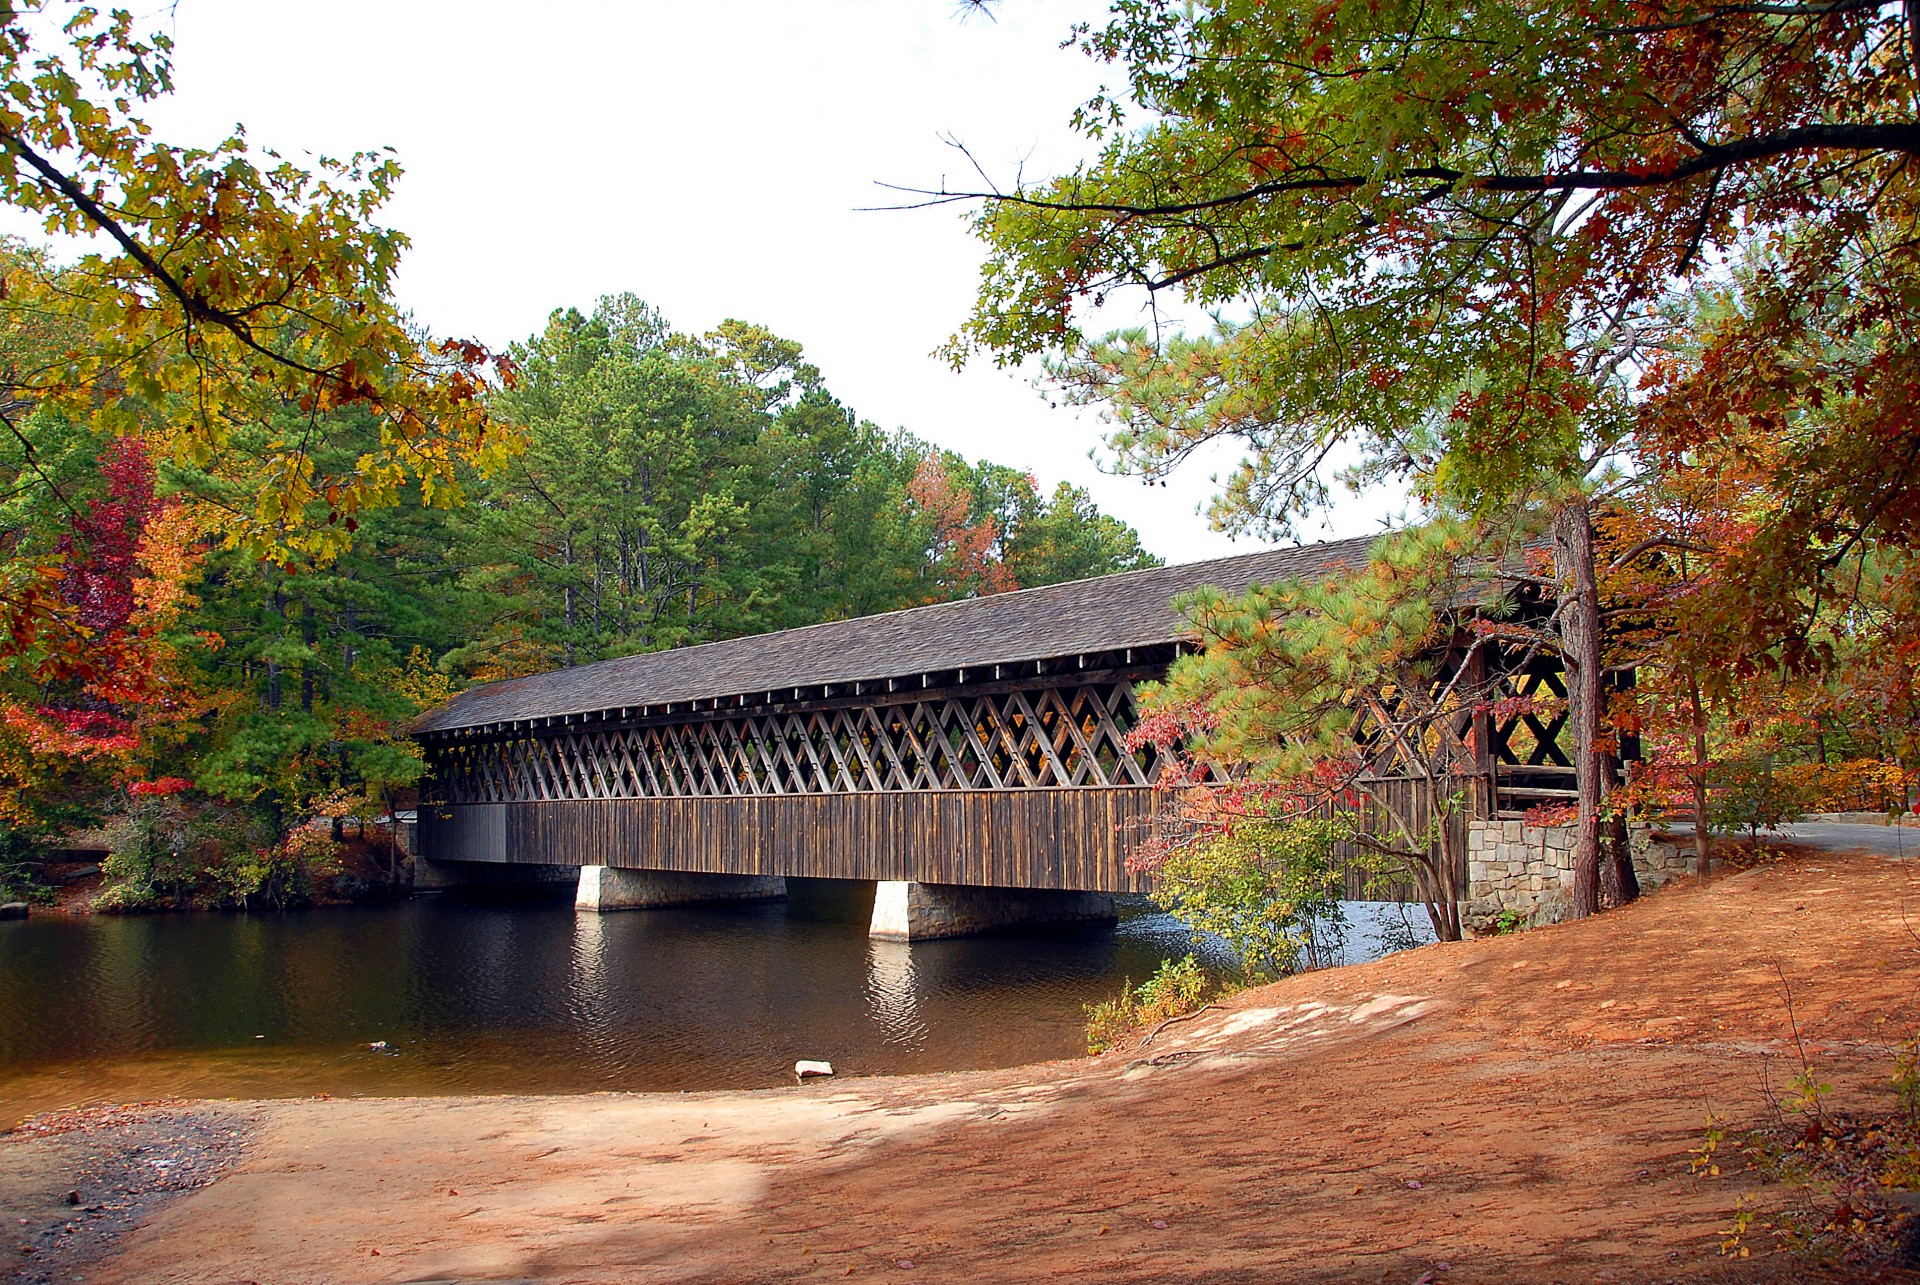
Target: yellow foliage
pixel 169 556
pixel 227 287
pixel 1858 785
pixel 421 683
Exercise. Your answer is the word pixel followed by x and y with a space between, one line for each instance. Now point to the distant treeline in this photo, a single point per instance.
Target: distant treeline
pixel 670 489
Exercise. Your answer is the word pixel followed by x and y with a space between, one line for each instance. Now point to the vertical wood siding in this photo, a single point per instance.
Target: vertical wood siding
pixel 1066 838
pixel 1034 838
pixel 1408 798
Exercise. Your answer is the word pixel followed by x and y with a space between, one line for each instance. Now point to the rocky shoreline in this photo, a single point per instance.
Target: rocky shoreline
pixel 77 1181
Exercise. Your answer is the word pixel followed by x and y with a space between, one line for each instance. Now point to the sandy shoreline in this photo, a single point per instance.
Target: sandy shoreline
pixel 1520 1108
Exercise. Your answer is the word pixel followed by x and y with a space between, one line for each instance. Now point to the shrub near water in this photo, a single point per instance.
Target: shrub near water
pixel 168 853
pixel 20 862
pixel 277 875
pixel 1267 888
pixel 1176 988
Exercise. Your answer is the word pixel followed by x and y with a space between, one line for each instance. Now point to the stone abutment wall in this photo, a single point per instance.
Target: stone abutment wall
pixel 1520 874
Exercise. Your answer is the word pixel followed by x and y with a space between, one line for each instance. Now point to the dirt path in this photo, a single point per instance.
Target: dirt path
pixel 1518 1109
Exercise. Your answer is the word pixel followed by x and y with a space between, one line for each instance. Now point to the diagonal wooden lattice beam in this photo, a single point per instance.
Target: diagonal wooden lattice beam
pixel 1066 736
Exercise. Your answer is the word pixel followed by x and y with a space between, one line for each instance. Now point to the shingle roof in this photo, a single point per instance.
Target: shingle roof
pixel 1130 609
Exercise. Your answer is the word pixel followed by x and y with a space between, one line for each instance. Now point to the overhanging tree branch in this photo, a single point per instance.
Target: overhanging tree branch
pixel 196 306
pixel 1900 138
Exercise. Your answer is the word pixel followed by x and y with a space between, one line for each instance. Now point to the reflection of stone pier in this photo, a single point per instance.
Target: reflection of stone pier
pixel 907 910
pixel 899 910
pixel 893 992
pixel 615 888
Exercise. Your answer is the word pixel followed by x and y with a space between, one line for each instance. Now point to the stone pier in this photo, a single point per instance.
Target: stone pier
pixel 908 911
pixel 616 888
pixel 1523 874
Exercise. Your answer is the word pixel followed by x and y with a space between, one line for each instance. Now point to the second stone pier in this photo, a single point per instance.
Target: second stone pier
pixel 908 911
pixel 617 888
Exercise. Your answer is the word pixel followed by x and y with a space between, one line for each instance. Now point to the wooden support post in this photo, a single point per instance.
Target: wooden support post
pixel 1486 793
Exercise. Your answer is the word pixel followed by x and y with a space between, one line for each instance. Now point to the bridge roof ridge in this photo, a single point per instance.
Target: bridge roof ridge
pixel 1074 617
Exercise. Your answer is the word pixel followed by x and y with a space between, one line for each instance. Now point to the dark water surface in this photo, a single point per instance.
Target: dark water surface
pixel 524 997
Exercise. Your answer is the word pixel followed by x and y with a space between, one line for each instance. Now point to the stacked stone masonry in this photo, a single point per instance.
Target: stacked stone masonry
pixel 1520 873
pixel 910 911
pixel 615 888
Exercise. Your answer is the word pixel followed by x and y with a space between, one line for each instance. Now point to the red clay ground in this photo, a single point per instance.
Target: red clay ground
pixel 1516 1109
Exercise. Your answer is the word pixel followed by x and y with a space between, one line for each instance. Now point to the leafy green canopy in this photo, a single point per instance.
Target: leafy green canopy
pixel 192 373
pixel 1432 234
pixel 680 488
pixel 674 489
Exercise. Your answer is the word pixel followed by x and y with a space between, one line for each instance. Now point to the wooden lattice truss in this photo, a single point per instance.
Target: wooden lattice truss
pixel 1529 762
pixel 1411 734
pixel 1062 736
pixel 1469 727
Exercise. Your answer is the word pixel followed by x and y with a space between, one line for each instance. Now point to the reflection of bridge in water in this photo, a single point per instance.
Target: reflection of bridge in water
pixel 966 758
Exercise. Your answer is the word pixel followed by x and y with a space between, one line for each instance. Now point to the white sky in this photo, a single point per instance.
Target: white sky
pixel 709 157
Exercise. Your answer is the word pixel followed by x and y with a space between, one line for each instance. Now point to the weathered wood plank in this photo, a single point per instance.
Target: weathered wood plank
pixel 1033 838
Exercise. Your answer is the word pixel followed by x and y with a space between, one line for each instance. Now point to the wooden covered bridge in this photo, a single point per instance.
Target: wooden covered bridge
pixel 967 758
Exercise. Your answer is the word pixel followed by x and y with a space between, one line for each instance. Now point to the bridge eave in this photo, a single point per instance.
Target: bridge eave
pixel 1133 662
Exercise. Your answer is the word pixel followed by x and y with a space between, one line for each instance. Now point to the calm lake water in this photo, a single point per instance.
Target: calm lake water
pixel 527 996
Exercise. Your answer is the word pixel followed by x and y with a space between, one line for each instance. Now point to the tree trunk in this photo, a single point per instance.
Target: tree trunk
pixel 273 666
pixel 1702 840
pixel 307 640
pixel 391 806
pixel 1580 656
pixel 1618 882
pixel 1623 882
pixel 567 555
pixel 1444 910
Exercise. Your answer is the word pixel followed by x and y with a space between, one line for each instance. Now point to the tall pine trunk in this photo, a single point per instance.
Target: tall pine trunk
pixel 279 608
pixel 1443 908
pixel 566 551
pixel 1579 606
pixel 1619 884
pixel 1697 778
pixel 308 682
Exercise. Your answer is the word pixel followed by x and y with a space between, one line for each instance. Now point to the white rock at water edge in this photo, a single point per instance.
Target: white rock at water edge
pixel 808 1070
